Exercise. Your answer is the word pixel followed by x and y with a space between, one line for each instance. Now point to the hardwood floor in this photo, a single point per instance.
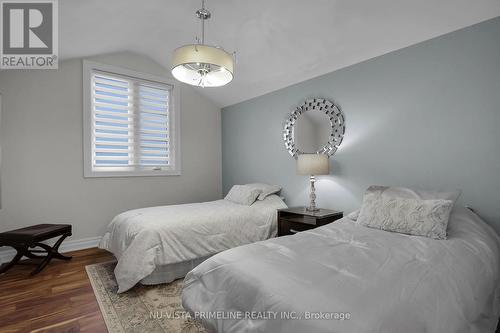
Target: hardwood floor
pixel 59 299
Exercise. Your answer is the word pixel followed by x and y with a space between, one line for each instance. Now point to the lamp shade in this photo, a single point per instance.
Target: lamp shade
pixel 202 65
pixel 312 164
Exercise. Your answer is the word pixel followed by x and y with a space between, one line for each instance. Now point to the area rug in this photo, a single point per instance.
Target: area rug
pixel 153 309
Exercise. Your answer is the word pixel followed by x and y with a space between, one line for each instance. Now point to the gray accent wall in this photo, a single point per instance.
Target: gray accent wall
pixel 426 116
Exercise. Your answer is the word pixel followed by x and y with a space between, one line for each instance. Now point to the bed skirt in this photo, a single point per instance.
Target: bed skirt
pixel 169 273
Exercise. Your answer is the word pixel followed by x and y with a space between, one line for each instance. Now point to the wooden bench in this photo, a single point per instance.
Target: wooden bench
pixel 30 237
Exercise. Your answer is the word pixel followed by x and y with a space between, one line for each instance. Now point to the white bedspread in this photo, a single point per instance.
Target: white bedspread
pixel 141 239
pixel 387 282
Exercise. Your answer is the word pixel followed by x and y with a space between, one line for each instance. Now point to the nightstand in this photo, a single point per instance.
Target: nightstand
pixel 296 219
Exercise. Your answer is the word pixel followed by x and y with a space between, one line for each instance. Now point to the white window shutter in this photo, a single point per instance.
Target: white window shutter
pixel 112 121
pixel 130 123
pixel 154 123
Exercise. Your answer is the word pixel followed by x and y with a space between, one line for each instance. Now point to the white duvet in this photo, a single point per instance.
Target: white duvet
pixel 142 239
pixel 385 282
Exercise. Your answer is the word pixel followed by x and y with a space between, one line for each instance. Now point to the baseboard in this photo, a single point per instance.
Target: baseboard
pixel 7 253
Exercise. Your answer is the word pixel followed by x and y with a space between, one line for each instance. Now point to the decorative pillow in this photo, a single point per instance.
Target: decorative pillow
pixel 242 194
pixel 418 217
pixel 403 192
pixel 265 189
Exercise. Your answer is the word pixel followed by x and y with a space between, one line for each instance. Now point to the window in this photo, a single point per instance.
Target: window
pixel 131 123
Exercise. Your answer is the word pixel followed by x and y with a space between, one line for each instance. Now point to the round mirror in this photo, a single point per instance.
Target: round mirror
pixel 316 126
pixel 311 132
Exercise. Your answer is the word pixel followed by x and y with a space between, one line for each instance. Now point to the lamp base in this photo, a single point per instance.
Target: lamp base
pixel 312 196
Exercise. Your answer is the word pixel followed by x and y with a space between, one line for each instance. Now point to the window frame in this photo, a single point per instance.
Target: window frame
pixel 174 124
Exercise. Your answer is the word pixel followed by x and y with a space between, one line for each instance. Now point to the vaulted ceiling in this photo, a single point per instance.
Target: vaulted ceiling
pixel 278 42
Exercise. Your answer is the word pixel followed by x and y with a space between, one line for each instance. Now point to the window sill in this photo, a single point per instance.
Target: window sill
pixel 137 173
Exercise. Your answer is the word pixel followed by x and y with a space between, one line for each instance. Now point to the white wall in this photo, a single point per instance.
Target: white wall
pixel 42 159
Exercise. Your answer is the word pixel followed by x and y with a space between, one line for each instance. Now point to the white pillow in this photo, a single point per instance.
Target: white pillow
pixel 265 190
pixel 242 194
pixel 403 192
pixel 382 209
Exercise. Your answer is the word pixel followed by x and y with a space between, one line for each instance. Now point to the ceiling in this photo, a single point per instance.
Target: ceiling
pixel 278 42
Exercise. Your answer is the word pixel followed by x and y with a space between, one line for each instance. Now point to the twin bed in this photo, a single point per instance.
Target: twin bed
pixel 160 244
pixel 382 281
pixel 342 277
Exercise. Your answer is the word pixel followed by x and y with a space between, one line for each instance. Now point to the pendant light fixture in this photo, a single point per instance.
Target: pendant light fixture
pixel 202 65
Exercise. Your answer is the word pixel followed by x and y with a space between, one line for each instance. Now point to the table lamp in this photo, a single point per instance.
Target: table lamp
pixel 312 165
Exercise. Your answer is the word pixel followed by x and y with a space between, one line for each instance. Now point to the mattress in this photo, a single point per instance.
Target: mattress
pixel 344 277
pixel 143 239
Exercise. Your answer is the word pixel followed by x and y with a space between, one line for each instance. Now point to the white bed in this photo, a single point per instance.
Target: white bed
pixel 387 282
pixel 159 244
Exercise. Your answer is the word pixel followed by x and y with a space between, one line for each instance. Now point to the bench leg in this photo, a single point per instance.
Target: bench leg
pixel 52 252
pixel 15 260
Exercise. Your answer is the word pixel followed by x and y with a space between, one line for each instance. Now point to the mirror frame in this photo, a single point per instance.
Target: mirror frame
pixel 337 126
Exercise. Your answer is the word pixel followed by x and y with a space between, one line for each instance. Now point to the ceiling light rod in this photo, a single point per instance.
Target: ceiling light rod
pixel 203 14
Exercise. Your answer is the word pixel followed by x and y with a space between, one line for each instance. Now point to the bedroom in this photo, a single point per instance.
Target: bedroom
pixel 411 90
